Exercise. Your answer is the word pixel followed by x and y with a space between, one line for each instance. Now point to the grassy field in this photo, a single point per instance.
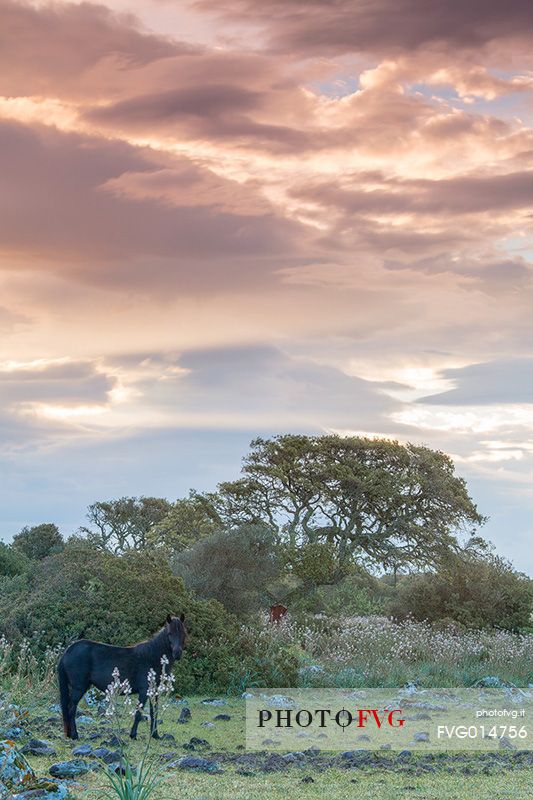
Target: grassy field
pixel 245 775
pixel 369 651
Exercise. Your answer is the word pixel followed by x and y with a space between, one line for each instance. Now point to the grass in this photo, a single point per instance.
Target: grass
pixel 447 782
pixel 336 785
pixel 367 651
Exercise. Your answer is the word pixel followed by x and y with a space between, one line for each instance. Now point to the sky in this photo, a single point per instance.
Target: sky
pixel 249 217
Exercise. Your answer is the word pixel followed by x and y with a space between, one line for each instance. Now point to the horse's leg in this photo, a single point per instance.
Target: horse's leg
pixel 143 694
pixel 76 693
pixel 153 720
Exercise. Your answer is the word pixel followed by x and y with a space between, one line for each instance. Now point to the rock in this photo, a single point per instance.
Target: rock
pixel 119 769
pixel 38 747
pixel 279 701
pixel 14 733
pixel 84 719
pixel 214 701
pixel 16 774
pixel 199 742
pixel 167 737
pixel 223 717
pixel 312 669
pixel 82 750
pixel 105 755
pixel 247 696
pixel 208 724
pixel 70 769
pixel 197 763
pixel 308 779
pixel 506 744
pixel 421 736
pixel 55 709
pixel 14 769
pixel 49 790
pixel 293 758
pixel 185 715
pixel 113 741
pixel 491 682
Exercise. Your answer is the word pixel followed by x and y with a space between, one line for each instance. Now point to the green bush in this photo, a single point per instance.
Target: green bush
pixel 234 566
pixel 88 592
pixel 353 596
pixel 12 561
pixel 39 541
pixel 476 591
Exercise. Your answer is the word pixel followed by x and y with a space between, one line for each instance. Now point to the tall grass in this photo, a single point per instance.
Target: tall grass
pixel 376 651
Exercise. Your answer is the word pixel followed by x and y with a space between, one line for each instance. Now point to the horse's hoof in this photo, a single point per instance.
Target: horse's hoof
pixel 133 735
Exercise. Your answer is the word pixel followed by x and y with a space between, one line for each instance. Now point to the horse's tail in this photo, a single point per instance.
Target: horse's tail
pixel 64 694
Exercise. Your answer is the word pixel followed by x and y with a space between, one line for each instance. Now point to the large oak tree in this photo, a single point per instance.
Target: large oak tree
pixel 377 501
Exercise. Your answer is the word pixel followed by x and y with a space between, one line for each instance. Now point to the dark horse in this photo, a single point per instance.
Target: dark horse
pixel 87 663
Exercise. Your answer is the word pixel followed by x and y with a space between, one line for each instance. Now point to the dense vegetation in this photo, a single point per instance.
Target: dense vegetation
pixel 336 527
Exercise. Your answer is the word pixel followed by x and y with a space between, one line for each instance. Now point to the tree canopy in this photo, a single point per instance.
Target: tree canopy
pixel 124 524
pixel 374 500
pixel 233 566
pixel 39 541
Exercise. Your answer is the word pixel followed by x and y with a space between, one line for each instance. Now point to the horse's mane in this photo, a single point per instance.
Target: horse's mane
pixel 157 645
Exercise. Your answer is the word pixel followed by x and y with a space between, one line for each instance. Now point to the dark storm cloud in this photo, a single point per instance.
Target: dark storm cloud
pixel 317 27
pixel 493 382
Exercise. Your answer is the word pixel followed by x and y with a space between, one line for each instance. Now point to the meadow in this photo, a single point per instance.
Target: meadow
pixel 347 651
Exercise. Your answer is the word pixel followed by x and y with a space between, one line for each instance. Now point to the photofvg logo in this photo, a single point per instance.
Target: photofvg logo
pixel 388 719
pixel 325 717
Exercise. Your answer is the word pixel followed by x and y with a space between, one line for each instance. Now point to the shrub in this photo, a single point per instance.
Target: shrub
pixel 476 591
pixel 12 561
pixel 232 566
pixel 87 592
pixel 84 592
pixel 353 596
pixel 39 541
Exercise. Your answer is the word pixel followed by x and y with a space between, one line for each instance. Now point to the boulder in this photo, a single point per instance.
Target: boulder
pixel 185 715
pixel 198 764
pixel 70 769
pixel 106 755
pixel 82 750
pixel 19 781
pixel 38 747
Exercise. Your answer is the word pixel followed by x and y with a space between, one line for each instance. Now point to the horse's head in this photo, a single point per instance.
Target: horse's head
pixel 177 633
